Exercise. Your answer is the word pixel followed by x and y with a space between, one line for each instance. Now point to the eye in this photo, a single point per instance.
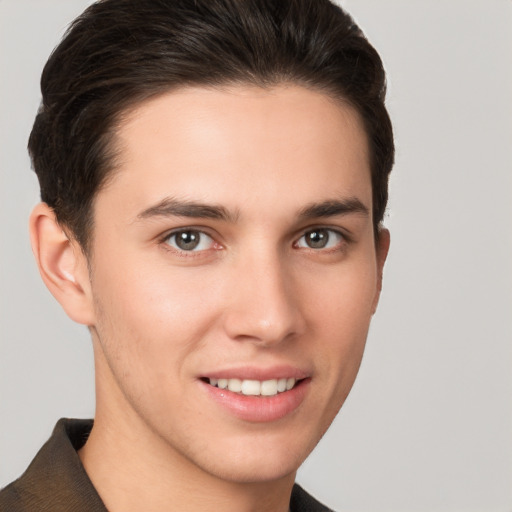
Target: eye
pixel 190 240
pixel 320 238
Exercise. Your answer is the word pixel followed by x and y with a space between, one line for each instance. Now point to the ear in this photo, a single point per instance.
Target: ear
pixel 382 249
pixel 62 265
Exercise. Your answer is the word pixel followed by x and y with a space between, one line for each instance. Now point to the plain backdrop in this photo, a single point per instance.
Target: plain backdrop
pixel 428 426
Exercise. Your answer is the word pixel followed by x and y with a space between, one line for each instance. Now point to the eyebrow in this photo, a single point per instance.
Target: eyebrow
pixel 171 207
pixel 332 208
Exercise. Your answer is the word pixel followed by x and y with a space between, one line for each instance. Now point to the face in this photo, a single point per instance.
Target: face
pixel 234 273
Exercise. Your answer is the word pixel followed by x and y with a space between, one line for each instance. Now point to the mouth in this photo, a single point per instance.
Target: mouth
pixel 258 395
pixel 255 388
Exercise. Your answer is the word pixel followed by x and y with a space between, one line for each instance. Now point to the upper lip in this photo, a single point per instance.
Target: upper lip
pixel 258 373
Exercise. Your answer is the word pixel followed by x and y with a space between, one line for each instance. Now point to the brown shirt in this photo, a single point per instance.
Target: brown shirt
pixel 56 481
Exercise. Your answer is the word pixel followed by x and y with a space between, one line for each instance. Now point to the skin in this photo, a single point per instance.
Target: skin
pixel 253 295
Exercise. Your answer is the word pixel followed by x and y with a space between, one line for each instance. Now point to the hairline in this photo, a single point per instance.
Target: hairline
pixel 114 148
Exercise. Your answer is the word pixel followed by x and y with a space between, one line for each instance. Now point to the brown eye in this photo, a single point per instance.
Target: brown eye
pixel 320 238
pixel 190 240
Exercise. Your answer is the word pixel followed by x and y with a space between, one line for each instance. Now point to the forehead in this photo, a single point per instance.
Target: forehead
pixel 241 145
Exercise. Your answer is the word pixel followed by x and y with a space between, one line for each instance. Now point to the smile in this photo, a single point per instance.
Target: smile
pixel 258 398
pixel 250 387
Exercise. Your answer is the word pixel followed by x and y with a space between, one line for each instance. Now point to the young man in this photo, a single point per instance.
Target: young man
pixel 213 178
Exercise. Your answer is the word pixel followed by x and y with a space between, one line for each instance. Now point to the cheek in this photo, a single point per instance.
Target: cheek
pixel 153 316
pixel 149 293
pixel 343 299
pixel 150 328
pixel 340 313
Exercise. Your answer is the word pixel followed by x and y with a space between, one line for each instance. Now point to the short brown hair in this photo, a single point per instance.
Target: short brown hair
pixel 121 52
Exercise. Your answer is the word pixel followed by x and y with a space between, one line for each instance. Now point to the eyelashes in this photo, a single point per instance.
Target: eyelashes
pixel 190 240
pixel 320 238
pixel 194 241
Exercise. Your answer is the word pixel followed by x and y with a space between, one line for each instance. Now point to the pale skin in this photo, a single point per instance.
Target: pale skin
pixel 276 272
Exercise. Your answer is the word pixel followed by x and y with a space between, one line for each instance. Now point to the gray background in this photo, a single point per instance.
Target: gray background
pixel 428 426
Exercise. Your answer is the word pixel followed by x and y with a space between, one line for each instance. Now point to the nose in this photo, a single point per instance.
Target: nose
pixel 263 307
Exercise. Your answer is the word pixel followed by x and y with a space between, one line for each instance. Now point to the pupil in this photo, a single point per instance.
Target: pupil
pixel 318 239
pixel 187 240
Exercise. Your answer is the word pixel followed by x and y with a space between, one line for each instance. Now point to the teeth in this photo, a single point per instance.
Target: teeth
pixel 251 387
pixel 235 385
pixel 269 387
pixel 255 387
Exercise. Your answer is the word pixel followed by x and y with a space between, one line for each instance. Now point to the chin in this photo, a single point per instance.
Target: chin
pixel 249 471
pixel 256 460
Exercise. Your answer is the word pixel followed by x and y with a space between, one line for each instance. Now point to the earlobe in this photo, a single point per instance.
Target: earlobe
pixel 62 265
pixel 382 249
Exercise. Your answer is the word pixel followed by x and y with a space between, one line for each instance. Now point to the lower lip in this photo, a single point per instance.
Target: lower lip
pixel 259 409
